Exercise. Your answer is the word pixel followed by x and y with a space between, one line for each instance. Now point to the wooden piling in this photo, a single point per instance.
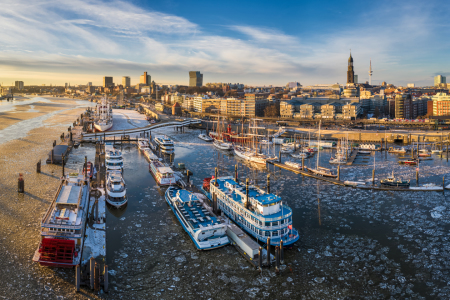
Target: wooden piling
pixel 236 173
pixel 373 177
pixel 260 259
pixel 63 164
pixel 77 278
pixel 105 279
pixel 268 252
pixel 247 200
pixel 268 183
pixel 339 173
pixel 21 184
pixel 417 176
pixel 281 252
pixel 38 167
pixel 91 272
pixel 303 163
pixel 277 260
pixel 96 277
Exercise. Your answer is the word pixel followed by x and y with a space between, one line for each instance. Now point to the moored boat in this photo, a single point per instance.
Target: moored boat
pixel 63 225
pixel 411 162
pixel 143 144
pixel 325 172
pixel 293 165
pixel 162 174
pixel 116 191
pixel 204 137
pixel 201 224
pixel 397 150
pixel 103 118
pixel 260 214
pixel 223 145
pixel 395 182
pixel 165 144
pixel 113 158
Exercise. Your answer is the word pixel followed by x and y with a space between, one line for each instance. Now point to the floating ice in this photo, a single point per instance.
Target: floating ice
pixel 112 272
pixel 124 255
pixel 121 219
pixel 319 279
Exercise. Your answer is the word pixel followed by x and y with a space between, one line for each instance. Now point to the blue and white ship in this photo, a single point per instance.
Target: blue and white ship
pixel 262 216
pixel 202 225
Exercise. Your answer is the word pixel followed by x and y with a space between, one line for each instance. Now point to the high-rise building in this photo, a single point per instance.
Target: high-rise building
pixel 350 71
pixel 89 84
pixel 355 79
pixel 146 79
pixel 195 78
pixel 403 106
pixel 126 83
pixel 19 85
pixel 66 85
pixel 439 79
pixel 107 81
pixel 441 104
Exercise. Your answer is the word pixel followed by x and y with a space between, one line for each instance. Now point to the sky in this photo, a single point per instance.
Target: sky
pixel 250 42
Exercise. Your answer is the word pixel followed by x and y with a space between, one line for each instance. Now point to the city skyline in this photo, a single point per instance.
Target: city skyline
pixel 258 44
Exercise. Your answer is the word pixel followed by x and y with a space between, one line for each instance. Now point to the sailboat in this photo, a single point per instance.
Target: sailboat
pixel 251 153
pixel 219 140
pixel 321 170
pixel 341 153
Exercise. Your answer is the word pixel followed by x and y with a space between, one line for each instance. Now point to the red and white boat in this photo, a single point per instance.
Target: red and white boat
pixel 162 174
pixel 63 225
pixel 90 170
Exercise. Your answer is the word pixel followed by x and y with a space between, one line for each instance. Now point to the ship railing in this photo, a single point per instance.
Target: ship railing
pixel 263 226
pixel 54 201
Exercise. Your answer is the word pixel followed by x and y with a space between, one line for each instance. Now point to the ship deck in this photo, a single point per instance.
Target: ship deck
pixel 197 215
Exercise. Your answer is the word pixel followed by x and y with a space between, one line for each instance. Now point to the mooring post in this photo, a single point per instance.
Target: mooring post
pixel 85 167
pixel 91 272
pixel 77 278
pixel 21 184
pixel 63 164
pixel 247 200
pixel 277 260
pixel 303 163
pixel 96 277
pixel 260 259
pixel 373 177
pixel 339 173
pixel 417 176
pixel 281 252
pixel 105 279
pixel 104 136
pixel 38 167
pixel 268 183
pixel 268 252
pixel 51 157
pixel 236 173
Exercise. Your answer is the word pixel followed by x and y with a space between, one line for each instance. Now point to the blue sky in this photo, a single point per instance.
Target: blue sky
pixel 251 42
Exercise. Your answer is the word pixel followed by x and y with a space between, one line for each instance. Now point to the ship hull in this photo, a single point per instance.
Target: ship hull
pixel 100 127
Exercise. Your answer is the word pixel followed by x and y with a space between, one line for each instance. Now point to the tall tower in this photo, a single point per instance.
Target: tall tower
pixel 350 72
pixel 370 73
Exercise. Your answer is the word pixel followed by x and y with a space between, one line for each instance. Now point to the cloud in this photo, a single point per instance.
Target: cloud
pixel 115 38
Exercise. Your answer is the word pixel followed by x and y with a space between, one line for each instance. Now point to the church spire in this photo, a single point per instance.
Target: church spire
pixel 350 71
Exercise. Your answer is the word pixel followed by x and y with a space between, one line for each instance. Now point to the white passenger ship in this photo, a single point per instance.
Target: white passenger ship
pixel 103 117
pixel 113 158
pixel 165 144
pixel 202 225
pixel 262 215
pixel 116 190
pixel 63 225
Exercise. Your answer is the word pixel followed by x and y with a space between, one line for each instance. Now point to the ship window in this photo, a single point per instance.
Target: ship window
pixel 266 233
pixel 275 224
pixel 275 233
pixel 267 224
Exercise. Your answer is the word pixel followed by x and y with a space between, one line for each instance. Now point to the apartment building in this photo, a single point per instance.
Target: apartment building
pixel 441 104
pixel 351 110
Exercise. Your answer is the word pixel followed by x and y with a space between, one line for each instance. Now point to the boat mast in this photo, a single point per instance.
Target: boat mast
pixel 318 147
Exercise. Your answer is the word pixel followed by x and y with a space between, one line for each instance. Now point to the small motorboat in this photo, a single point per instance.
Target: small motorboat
pixel 300 155
pixel 395 182
pixel 396 150
pixel 293 165
pixel 410 162
pixel 204 137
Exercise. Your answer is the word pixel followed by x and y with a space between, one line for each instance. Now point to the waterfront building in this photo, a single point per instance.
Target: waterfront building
pixel 107 81
pixel 441 104
pixel 126 83
pixel 195 78
pixel 290 107
pixel 19 85
pixel 145 79
pixel 176 109
pixel 351 110
pixel 329 111
pixel 439 79
pixel 308 110
pixel 403 106
pixel 204 104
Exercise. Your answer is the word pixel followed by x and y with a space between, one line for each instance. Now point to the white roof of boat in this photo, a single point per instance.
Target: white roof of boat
pixel 69 194
pixel 165 170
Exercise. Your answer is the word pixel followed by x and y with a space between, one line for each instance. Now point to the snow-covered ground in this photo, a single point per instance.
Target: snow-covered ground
pixel 95 243
pixel 128 119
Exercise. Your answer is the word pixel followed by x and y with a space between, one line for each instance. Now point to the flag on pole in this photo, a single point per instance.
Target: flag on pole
pixel 290 227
